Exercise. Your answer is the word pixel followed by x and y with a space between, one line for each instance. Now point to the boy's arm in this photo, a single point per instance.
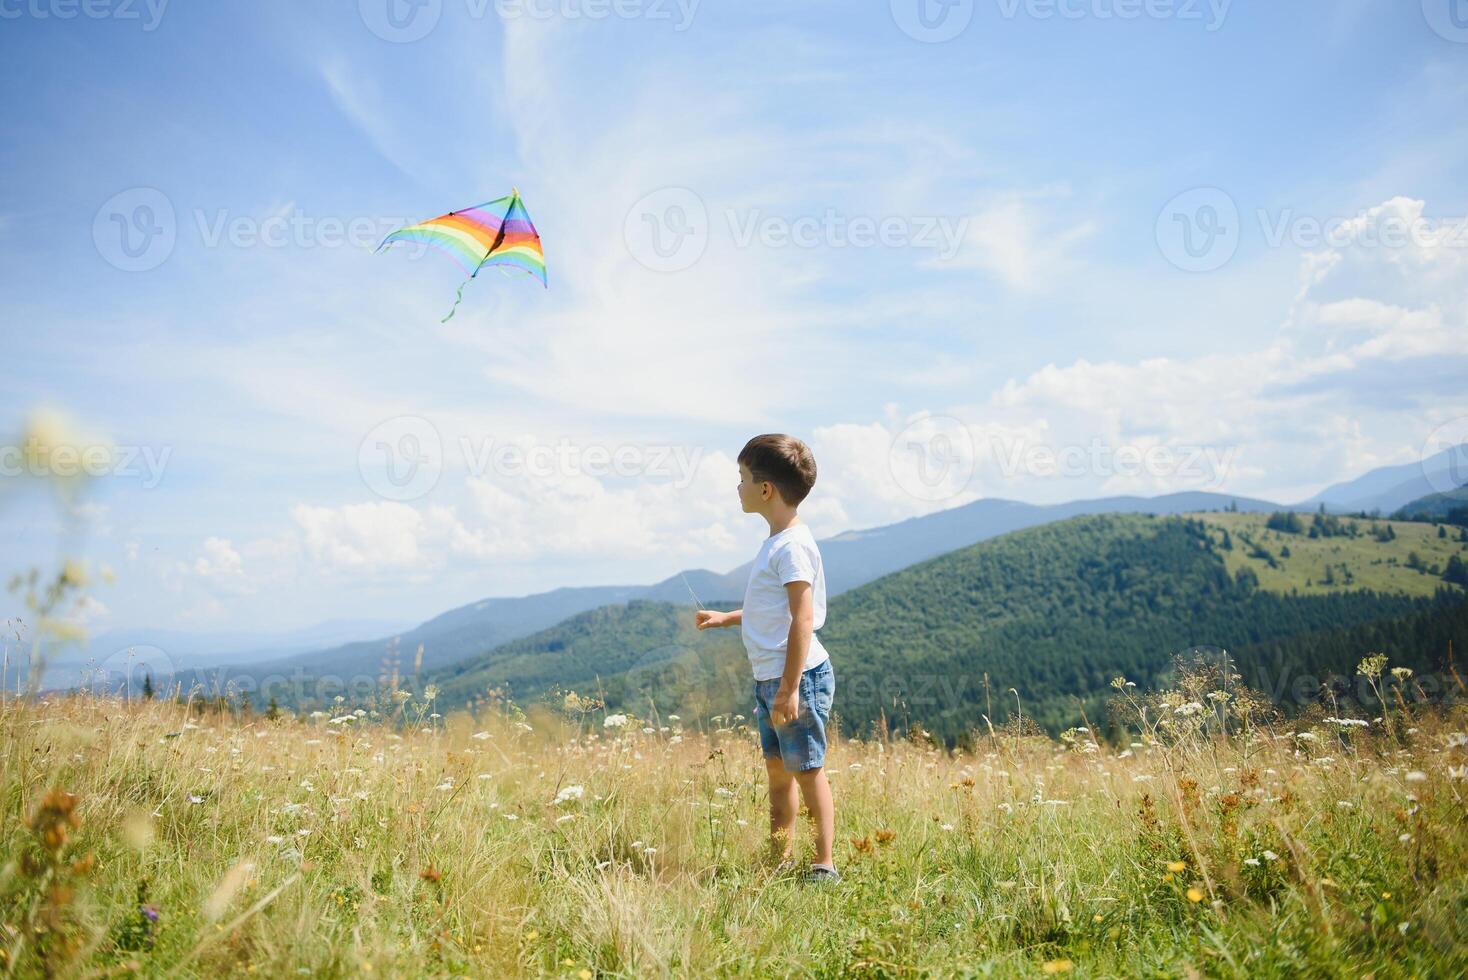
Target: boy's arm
pixel 802 617
pixel 712 619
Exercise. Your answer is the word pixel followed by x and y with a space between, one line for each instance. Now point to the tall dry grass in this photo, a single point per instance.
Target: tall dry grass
pixel 150 837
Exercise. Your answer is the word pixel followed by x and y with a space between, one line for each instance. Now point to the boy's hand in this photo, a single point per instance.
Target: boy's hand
pixel 786 706
pixel 709 619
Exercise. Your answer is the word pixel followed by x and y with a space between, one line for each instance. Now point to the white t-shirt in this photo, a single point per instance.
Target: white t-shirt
pixel 786 556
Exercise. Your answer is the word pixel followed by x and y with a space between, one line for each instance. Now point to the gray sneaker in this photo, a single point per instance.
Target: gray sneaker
pixel 819 875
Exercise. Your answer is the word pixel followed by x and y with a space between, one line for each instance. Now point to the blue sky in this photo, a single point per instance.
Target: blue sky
pixel 1080 228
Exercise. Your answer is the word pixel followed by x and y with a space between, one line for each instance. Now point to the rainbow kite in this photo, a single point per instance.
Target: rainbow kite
pixel 497 232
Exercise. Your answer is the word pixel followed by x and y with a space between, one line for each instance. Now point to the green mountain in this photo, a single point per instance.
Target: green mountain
pixel 1052 612
pixel 641 656
pixel 852 558
pixel 1450 506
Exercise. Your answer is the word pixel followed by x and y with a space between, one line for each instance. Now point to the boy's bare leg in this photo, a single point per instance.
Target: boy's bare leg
pixel 816 792
pixel 784 805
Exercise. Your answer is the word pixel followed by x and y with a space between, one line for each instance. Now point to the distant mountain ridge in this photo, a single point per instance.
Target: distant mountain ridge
pixel 852 558
pixel 1436 506
pixel 201 650
pixel 1390 488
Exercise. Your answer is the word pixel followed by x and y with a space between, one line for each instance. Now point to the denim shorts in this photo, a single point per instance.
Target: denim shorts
pixel 800 744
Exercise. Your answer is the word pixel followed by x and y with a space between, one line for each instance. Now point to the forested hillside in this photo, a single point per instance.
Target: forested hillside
pixel 1038 621
pixel 1055 613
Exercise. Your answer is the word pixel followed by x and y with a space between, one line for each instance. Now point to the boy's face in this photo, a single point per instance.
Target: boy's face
pixel 751 500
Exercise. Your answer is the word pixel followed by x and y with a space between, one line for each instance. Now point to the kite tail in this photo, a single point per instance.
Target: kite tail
pixel 458 298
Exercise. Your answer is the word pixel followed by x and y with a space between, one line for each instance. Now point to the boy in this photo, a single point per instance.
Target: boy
pixel 784 604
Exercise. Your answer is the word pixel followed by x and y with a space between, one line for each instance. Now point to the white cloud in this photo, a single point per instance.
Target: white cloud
pixel 522 516
pixel 1009 237
pixel 219 567
pixel 370 537
pixel 87 612
pixel 1302 404
pixel 219 560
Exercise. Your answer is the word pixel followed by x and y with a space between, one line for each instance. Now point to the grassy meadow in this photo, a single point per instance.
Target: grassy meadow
pixel 1366 559
pixel 153 838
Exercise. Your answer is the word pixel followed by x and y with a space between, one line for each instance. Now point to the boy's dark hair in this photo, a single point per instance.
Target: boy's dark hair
pixel 784 461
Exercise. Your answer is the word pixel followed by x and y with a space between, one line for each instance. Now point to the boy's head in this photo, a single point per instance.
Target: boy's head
pixel 775 470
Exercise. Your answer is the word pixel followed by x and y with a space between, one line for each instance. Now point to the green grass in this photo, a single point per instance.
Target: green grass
pixel 1377 565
